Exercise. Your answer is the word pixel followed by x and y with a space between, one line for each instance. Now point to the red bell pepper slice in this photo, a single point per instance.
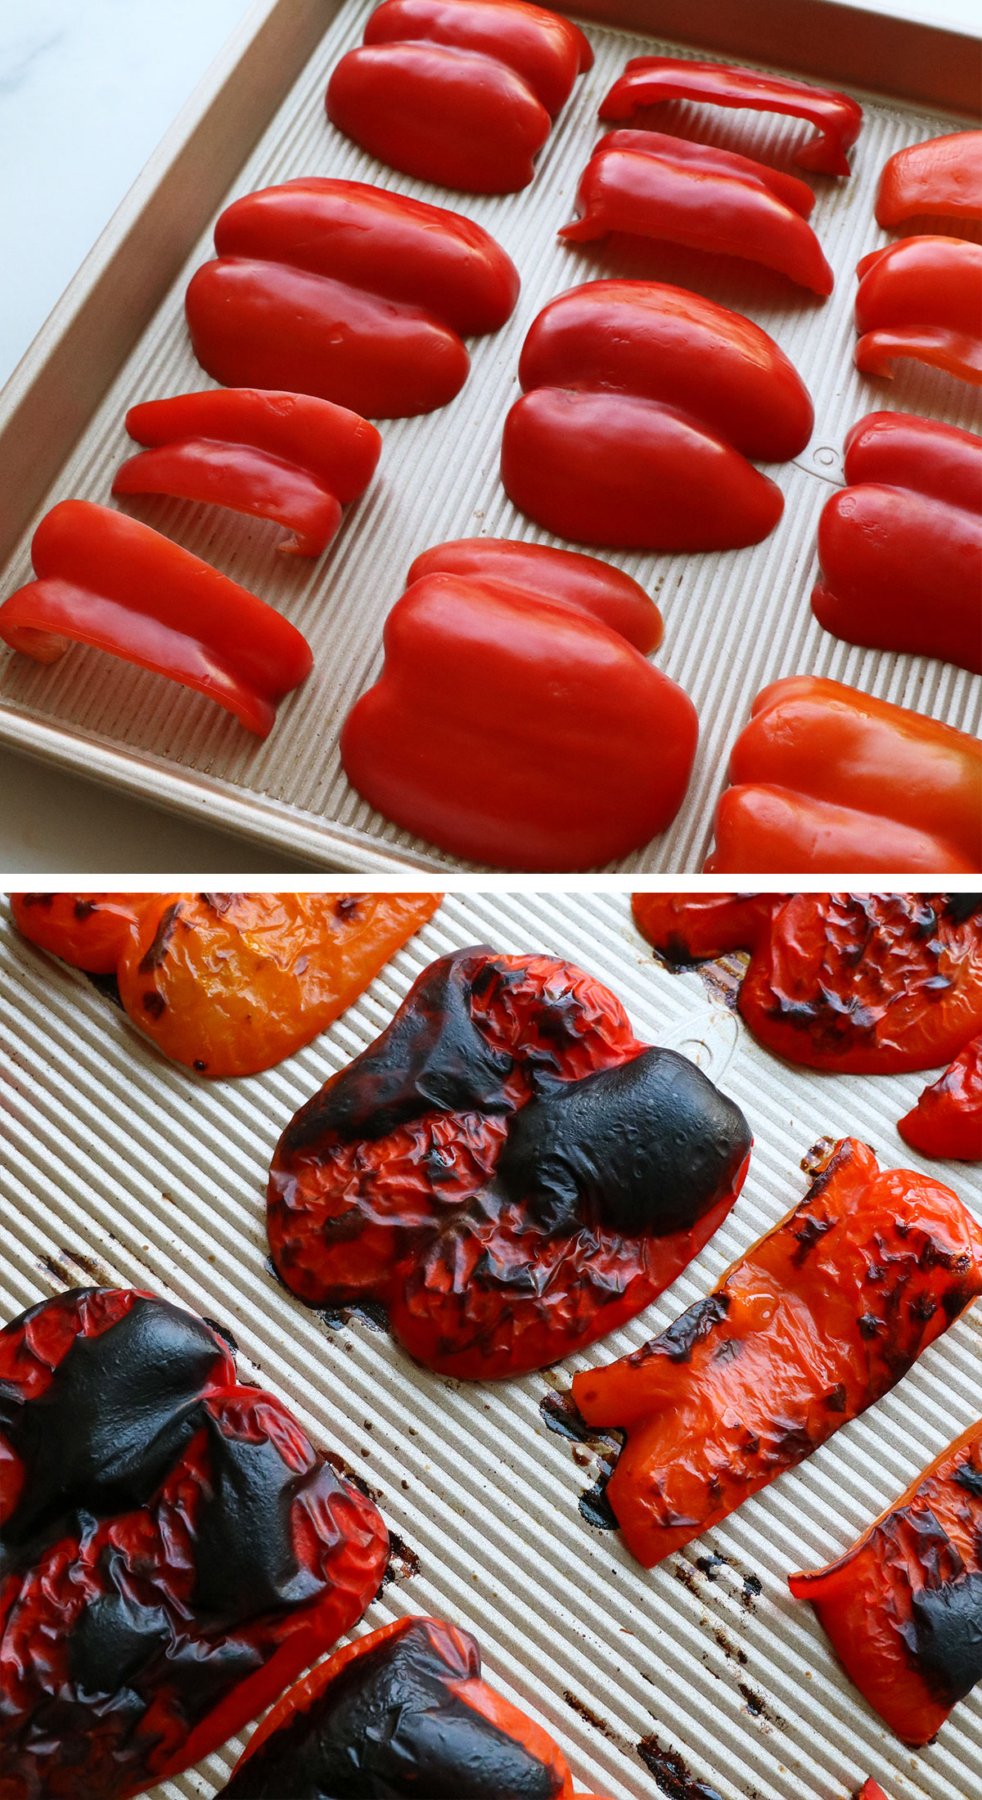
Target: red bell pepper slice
pixel 941 177
pixel 288 457
pixel 641 404
pixel 106 580
pixel 947 1120
pixel 652 186
pixel 345 291
pixel 507 1170
pixel 819 1319
pixel 458 94
pixel 651 80
pixel 903 1607
pixel 827 778
pixel 921 298
pixel 511 724
pixel 173 1550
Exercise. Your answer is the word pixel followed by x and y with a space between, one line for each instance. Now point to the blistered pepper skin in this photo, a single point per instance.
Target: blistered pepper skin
pixel 819 1319
pixel 941 177
pixel 921 298
pixel 947 1120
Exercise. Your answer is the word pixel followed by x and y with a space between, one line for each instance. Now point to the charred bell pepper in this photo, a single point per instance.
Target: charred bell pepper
pixel 108 581
pixel 173 1550
pixel 901 546
pixel 459 94
pixel 947 1120
pixel 817 1321
pixel 826 778
pixel 921 298
pixel 941 177
pixel 228 984
pixel 903 1607
pixel 651 80
pixel 514 721
pixel 345 291
pixel 641 404
pixel 506 1169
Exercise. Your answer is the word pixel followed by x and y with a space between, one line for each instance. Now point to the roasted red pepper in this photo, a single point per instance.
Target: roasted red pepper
pixel 921 298
pixel 514 721
pixel 947 1120
pixel 173 1550
pixel 348 292
pixel 827 778
pixel 819 1319
pixel 941 177
pixel 903 1607
pixel 651 80
pixel 653 186
pixel 458 93
pixel 506 1169
pixel 641 405
pixel 871 1790
pixel 901 547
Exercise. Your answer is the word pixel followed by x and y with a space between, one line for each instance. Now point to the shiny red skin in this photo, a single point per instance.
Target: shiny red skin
pixel 650 80
pixel 941 177
pixel 347 292
pixel 921 298
pixel 106 580
pixel 870 1790
pixel 947 1120
pixel 827 1311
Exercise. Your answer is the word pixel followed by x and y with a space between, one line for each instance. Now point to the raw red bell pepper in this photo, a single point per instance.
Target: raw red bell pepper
pixel 513 721
pixel 106 580
pixel 827 778
pixel 641 405
pixel 653 186
pixel 651 80
pixel 348 292
pixel 455 93
pixel 941 177
pixel 870 1790
pixel 903 1607
pixel 901 547
pixel 921 298
pixel 173 1551
pixel 506 1169
pixel 819 1319
pixel 947 1120
pixel 287 457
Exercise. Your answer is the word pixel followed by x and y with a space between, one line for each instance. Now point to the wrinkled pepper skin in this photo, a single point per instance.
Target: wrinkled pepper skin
pixel 901 547
pixel 506 1169
pixel 653 186
pixel 347 292
pixel 228 984
pixel 903 1607
pixel 108 581
pixel 651 80
pixel 921 298
pixel 287 457
pixel 641 404
pixel 941 177
pixel 947 1120
pixel 173 1551
pixel 817 1321
pixel 826 778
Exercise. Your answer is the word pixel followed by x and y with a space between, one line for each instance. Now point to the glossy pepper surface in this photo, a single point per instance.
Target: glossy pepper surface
pixel 947 1120
pixel 173 1550
pixel 460 92
pixel 108 581
pixel 641 404
pixel 941 177
pixel 506 1169
pixel 514 721
pixel 288 457
pixel 903 1607
pixel 819 1319
pixel 228 984
pixel 826 778
pixel 901 546
pixel 870 1790
pixel 348 292
pixel 921 298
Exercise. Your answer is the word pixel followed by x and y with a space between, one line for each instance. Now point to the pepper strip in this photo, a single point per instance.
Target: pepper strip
pixel 921 298
pixel 941 177
pixel 947 1120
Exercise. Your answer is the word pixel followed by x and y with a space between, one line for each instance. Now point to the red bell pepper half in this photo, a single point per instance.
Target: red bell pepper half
pixel 641 404
pixel 173 1551
pixel 348 292
pixel 827 778
pixel 819 1319
pixel 941 177
pixel 947 1120
pixel 287 457
pixel 651 80
pixel 921 298
pixel 506 1169
pixel 903 1607
pixel 455 93
pixel 653 186
pixel 106 580
pixel 514 721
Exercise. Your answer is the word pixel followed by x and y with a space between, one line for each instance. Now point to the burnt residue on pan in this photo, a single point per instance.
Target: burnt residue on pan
pixel 671 1775
pixel 368 1312
pixel 403 1561
pixel 586 1712
pixel 600 1449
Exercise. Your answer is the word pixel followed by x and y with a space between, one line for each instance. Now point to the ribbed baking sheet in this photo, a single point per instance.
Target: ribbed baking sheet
pixel 118 1167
